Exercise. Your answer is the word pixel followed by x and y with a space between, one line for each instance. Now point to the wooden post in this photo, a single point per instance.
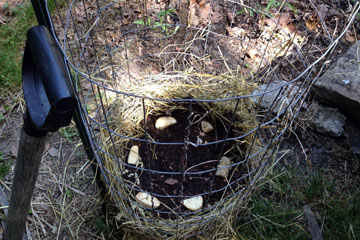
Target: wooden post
pixel 183 17
pixel 26 171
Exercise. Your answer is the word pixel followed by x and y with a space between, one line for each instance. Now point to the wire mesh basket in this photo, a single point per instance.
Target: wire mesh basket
pixel 185 102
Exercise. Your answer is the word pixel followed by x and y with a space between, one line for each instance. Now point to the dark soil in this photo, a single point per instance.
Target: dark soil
pixel 320 151
pixel 178 158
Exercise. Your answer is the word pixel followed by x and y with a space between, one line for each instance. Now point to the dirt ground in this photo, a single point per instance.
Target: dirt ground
pixel 66 203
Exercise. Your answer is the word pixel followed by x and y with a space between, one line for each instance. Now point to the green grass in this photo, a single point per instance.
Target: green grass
pixel 12 42
pixel 4 166
pixel 276 209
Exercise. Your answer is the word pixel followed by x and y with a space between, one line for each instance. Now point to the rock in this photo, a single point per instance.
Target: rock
pixel 206 127
pixel 147 200
pixel 340 85
pixel 133 157
pixel 194 203
pixel 14 150
pixel 164 122
pixel 329 120
pixel 289 92
pixel 224 172
pixel 53 152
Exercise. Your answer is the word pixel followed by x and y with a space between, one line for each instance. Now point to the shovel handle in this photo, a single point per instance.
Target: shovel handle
pixel 26 171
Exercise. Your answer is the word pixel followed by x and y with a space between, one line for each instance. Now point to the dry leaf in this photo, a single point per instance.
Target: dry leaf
pixel 192 18
pixel 198 12
pixel 279 20
pixel 86 85
pixel 2 19
pixel 171 181
pixel 290 28
pixel 253 53
pixel 119 216
pixel 216 17
pixel 235 31
pixel 350 37
pixel 312 21
pixel 204 10
pixel 231 17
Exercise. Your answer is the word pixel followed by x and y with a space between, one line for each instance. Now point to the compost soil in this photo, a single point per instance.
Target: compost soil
pixel 173 160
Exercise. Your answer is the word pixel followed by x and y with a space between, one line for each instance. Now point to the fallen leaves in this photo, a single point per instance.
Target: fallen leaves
pixel 312 21
pixel 350 37
pixel 216 17
pixel 280 20
pixel 204 9
pixel 199 12
pixel 235 31
pixel 253 53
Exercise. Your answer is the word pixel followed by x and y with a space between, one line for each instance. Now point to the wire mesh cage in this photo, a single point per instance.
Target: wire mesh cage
pixel 185 102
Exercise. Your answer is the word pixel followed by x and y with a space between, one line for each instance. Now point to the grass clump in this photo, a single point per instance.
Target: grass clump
pixel 276 209
pixel 12 40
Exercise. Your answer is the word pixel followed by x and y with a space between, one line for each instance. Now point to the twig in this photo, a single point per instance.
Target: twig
pixel 303 149
pixel 67 186
pixel 193 122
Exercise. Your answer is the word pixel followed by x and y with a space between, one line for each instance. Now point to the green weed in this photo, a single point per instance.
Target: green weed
pixel 69 193
pixel 159 22
pixel 68 133
pixel 2 117
pixel 276 209
pixel 270 4
pixel 100 225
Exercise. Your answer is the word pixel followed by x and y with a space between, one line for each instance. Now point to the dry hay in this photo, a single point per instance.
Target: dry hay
pixel 125 118
pixel 127 115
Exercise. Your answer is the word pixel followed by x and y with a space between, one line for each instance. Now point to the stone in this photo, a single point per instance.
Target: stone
pixel 339 86
pixel 164 122
pixel 282 99
pixel 206 127
pixel 223 172
pixel 133 157
pixel 53 152
pixel 14 150
pixel 147 200
pixel 329 121
pixel 194 203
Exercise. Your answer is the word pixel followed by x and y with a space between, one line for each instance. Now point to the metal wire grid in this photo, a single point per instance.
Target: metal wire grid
pixel 271 127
